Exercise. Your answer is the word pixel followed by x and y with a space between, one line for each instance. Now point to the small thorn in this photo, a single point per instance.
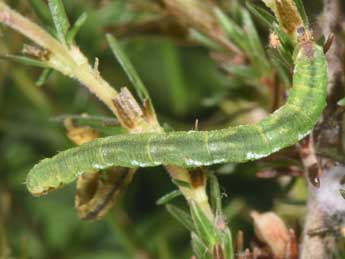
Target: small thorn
pixel 196 125
pixel 328 43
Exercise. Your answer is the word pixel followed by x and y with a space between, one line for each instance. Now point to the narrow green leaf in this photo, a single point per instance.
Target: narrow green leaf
pixel 181 216
pixel 216 197
pixel 234 9
pixel 281 65
pixel 234 32
pixel 181 183
pixel 76 28
pixel 44 76
pixel 130 71
pixel 263 15
pixel 302 12
pixel 246 73
pixel 42 11
pixel 285 56
pixel 202 39
pixel 247 39
pixel 25 60
pixel 341 102
pixel 200 250
pixel 168 197
pixel 204 227
pixel 284 39
pixel 270 4
pixel 256 50
pixel 282 72
pixel 60 18
pixel 227 244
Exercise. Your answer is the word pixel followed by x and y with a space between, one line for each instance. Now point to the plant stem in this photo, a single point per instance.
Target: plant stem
pixel 323 246
pixel 195 194
pixel 316 246
pixel 69 61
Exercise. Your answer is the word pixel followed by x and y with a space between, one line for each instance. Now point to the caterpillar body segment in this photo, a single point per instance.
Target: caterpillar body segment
pixel 283 128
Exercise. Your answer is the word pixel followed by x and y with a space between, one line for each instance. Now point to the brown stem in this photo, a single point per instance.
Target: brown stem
pixel 316 246
pixel 325 214
pixel 331 24
pixel 318 216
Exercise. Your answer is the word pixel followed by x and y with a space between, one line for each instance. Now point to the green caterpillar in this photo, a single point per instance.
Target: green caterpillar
pixel 285 127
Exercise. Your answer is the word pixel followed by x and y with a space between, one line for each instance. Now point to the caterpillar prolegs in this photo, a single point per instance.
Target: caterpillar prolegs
pixel 285 127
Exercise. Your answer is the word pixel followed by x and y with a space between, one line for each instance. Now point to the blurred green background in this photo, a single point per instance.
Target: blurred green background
pixel 185 84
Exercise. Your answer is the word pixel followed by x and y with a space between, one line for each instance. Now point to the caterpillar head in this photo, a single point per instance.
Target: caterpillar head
pixel 305 41
pixel 304 35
